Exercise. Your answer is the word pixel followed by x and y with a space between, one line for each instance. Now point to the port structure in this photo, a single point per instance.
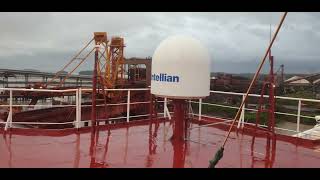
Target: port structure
pixel 110 66
pixel 110 61
pixel 108 69
pixel 109 73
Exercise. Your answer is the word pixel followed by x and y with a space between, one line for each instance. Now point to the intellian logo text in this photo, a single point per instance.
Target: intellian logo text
pixel 164 77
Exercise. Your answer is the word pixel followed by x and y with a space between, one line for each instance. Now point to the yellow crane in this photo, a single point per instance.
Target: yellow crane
pixel 110 66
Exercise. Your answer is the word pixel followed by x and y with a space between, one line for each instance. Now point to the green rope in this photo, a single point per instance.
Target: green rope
pixel 216 159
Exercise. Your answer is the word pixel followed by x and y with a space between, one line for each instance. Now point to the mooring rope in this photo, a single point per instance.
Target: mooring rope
pixel 219 153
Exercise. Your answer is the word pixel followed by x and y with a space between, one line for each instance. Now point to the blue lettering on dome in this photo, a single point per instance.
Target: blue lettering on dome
pixel 164 77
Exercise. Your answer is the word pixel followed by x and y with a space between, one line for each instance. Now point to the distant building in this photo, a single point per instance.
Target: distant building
pixel 316 81
pixel 299 81
pixel 63 72
pixel 231 82
pixel 88 72
pixel 34 70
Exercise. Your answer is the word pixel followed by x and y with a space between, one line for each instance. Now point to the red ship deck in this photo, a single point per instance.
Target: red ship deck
pixel 135 145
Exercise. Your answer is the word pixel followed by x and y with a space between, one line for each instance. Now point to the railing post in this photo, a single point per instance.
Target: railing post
pixel 241 119
pixel 298 116
pixel 190 109
pixel 76 123
pixel 166 110
pixel 79 104
pixel 11 99
pixel 9 119
pixel 200 108
pixel 164 107
pixel 128 106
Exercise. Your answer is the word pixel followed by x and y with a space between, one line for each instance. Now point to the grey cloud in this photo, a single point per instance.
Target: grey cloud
pixel 238 39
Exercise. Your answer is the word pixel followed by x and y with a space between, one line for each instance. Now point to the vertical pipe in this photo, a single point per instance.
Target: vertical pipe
pixel 298 117
pixel 179 119
pixel 128 106
pixel 179 154
pixel 76 123
pixel 10 114
pixel 271 95
pixel 77 153
pixel 243 111
pixel 94 88
pixel 150 107
pixel 200 107
pixel 9 118
pixel 164 107
pixel 79 103
pixel 167 112
pixel 190 114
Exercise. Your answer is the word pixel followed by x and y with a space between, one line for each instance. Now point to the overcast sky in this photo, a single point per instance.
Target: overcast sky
pixel 236 41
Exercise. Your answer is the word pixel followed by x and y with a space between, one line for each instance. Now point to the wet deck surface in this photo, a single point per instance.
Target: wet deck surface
pixel 140 146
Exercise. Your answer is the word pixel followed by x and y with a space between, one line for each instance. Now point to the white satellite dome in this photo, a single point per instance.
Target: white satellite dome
pixel 180 69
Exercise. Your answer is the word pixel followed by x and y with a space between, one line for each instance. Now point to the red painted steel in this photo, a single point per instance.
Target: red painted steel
pixel 272 103
pixel 135 144
pixel 179 120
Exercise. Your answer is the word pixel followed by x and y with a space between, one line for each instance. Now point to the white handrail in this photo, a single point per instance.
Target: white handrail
pixel 144 89
pixel 38 105
pixel 119 104
pixel 129 89
pixel 241 121
pixel 78 105
pixel 257 95
pixel 38 90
